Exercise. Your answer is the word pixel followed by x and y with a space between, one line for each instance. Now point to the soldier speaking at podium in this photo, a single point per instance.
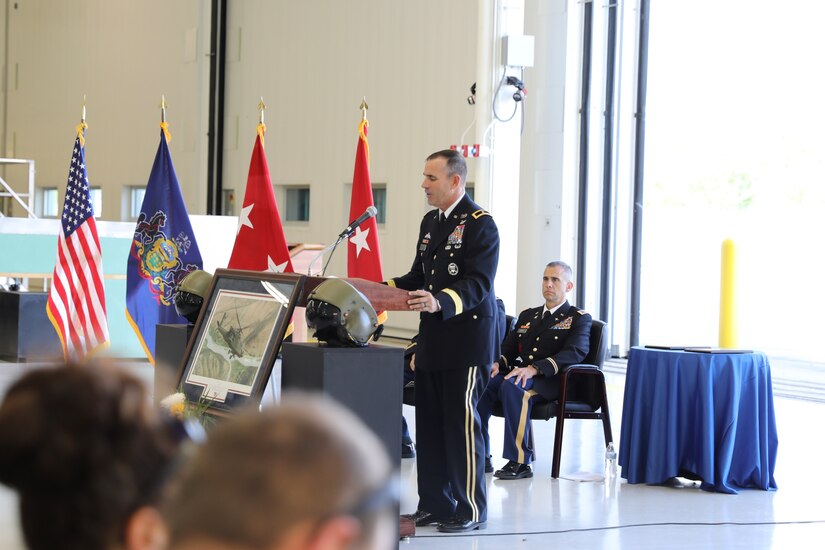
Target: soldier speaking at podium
pixel 451 285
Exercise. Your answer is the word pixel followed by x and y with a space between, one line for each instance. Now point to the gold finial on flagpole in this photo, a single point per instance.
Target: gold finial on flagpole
pixel 364 108
pixel 163 124
pixel 261 126
pixel 81 128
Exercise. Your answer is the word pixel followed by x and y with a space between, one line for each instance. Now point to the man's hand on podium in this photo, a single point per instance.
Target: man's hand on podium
pixel 421 300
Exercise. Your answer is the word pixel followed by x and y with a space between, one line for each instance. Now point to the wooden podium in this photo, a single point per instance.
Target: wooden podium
pixel 382 297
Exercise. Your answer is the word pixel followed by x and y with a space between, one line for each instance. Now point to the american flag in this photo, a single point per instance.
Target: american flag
pixel 77 305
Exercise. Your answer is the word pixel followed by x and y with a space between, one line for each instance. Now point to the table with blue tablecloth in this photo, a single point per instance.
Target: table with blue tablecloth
pixel 705 416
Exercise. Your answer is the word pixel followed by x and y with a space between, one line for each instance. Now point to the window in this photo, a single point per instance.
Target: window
pixel 379 198
pixel 136 201
pixel 50 204
pixel 733 126
pixel 97 200
pixel 297 204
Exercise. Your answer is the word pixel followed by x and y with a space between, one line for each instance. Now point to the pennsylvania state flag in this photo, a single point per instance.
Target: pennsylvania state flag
pixel 163 252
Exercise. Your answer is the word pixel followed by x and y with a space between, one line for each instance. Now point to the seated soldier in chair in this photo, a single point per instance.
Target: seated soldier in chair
pixel 545 341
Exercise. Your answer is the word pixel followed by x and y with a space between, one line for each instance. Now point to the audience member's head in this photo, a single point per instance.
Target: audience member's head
pixel 303 474
pixel 88 457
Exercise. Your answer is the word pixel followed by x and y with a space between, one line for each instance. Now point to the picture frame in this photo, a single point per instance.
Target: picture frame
pixel 237 338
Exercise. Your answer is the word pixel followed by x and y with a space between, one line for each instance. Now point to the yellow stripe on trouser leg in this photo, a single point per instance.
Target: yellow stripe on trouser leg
pixel 470 440
pixel 522 424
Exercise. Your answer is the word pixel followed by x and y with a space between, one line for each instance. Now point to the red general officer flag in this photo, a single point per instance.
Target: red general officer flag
pixel 363 255
pixel 260 244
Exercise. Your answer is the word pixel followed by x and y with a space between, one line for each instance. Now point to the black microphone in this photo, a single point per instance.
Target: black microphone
pixel 370 212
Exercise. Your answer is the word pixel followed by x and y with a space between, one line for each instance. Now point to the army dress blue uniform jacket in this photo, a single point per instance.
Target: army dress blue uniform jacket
pixel 550 345
pixel 456 261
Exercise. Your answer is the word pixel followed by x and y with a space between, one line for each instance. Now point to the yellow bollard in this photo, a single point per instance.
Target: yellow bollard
pixel 728 337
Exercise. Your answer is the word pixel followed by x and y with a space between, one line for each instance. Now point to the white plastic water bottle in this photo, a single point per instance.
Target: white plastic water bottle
pixel 610 466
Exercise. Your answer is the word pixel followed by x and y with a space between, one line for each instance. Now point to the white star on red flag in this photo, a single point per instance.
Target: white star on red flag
pixel 244 220
pixel 264 248
pixel 360 240
pixel 272 266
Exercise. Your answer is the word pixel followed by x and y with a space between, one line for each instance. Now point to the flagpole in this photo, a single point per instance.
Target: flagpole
pixel 81 128
pixel 150 279
pixel 363 258
pixel 163 124
pixel 76 305
pixel 261 125
pixel 331 248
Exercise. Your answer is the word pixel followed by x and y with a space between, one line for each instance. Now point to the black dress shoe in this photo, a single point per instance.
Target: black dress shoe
pixel 514 470
pixel 460 525
pixel 488 465
pixel 408 450
pixel 422 518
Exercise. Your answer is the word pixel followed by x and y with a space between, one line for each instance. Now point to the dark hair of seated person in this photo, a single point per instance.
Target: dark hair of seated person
pixel 305 473
pixel 87 455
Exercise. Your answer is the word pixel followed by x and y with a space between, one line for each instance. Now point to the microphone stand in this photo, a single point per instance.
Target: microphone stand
pixel 346 234
pixel 331 248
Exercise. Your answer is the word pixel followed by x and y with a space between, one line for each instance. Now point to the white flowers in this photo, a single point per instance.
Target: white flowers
pixel 175 404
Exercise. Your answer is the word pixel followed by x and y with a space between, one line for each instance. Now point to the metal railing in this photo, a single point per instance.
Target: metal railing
pixel 28 206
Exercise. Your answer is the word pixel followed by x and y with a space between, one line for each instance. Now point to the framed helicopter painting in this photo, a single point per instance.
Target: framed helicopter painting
pixel 237 337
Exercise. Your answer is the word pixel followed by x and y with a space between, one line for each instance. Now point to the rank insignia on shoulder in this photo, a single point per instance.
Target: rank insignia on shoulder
pixel 478 213
pixel 582 312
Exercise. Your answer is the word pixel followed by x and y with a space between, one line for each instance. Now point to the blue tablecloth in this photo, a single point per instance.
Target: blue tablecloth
pixel 705 416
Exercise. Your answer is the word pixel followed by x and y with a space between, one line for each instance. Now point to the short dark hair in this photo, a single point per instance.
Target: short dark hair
pixel 84 450
pixel 260 474
pixel 456 165
pixel 566 268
